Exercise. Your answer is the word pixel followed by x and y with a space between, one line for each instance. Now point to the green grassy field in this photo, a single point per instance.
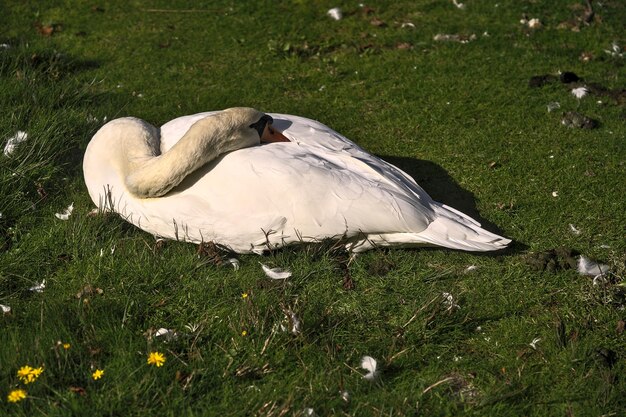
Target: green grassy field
pixel 461 118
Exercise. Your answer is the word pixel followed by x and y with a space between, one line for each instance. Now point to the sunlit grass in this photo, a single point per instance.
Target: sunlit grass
pixel 460 118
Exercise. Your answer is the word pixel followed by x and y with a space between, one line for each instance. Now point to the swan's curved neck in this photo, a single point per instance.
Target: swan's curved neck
pixel 151 175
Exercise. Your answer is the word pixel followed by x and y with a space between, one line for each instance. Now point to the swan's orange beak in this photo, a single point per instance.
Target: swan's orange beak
pixel 270 135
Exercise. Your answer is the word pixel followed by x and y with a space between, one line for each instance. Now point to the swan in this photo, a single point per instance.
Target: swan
pixel 251 181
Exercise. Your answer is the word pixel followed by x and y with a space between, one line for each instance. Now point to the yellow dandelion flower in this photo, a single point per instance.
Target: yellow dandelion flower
pixel 23 373
pixel 36 372
pixel 156 358
pixel 97 374
pixel 244 295
pixel 244 332
pixel 26 374
pixel 66 346
pixel 16 395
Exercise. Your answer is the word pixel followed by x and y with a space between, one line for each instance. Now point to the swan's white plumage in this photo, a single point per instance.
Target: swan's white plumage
pixel 320 185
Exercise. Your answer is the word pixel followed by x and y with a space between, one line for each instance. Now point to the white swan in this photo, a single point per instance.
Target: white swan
pixel 205 178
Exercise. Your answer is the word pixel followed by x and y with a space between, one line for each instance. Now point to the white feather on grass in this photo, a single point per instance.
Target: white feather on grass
pixel 5 309
pixel 588 267
pixel 275 273
pixel 458 5
pixel 193 327
pixel 335 13
pixel 345 395
pixel 291 323
pixel 235 263
pixel 65 214
pixel 13 141
pixel 38 287
pixel 533 344
pixel 369 364
pixel 309 412
pixel 449 302
pixel 553 106
pixel 167 334
pixel 580 92
pixel 574 229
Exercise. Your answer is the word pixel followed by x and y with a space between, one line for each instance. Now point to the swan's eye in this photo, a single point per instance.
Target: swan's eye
pixel 259 126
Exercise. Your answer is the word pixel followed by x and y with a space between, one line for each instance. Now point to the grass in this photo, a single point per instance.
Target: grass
pixel 460 118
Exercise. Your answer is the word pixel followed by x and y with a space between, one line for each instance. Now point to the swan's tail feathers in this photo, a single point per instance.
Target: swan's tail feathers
pixel 455 230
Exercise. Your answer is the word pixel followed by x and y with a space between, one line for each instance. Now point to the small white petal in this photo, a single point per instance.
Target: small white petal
pixel 5 309
pixel 408 25
pixel 555 193
pixel 101 253
pixel 580 92
pixel 275 273
pixel 65 215
pixel 13 141
pixel 471 268
pixel 587 267
pixel 39 287
pixel 335 13
pixel 369 364
pixel 235 263
pixel 534 23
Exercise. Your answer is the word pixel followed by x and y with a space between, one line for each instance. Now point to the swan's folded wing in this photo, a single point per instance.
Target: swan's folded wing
pixel 329 142
pixel 294 190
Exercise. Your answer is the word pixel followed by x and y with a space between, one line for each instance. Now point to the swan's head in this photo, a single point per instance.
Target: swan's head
pixel 266 131
pixel 250 120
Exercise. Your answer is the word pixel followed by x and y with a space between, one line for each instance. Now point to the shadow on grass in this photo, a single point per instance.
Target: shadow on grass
pixel 444 189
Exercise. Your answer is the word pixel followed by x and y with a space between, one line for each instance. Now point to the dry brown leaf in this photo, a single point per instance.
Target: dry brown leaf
pixel 78 390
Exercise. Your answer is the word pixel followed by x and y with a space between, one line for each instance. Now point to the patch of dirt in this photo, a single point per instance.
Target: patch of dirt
pixel 553 260
pixel 577 120
pixel 380 266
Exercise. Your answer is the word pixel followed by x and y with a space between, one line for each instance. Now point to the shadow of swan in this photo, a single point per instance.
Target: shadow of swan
pixel 443 188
